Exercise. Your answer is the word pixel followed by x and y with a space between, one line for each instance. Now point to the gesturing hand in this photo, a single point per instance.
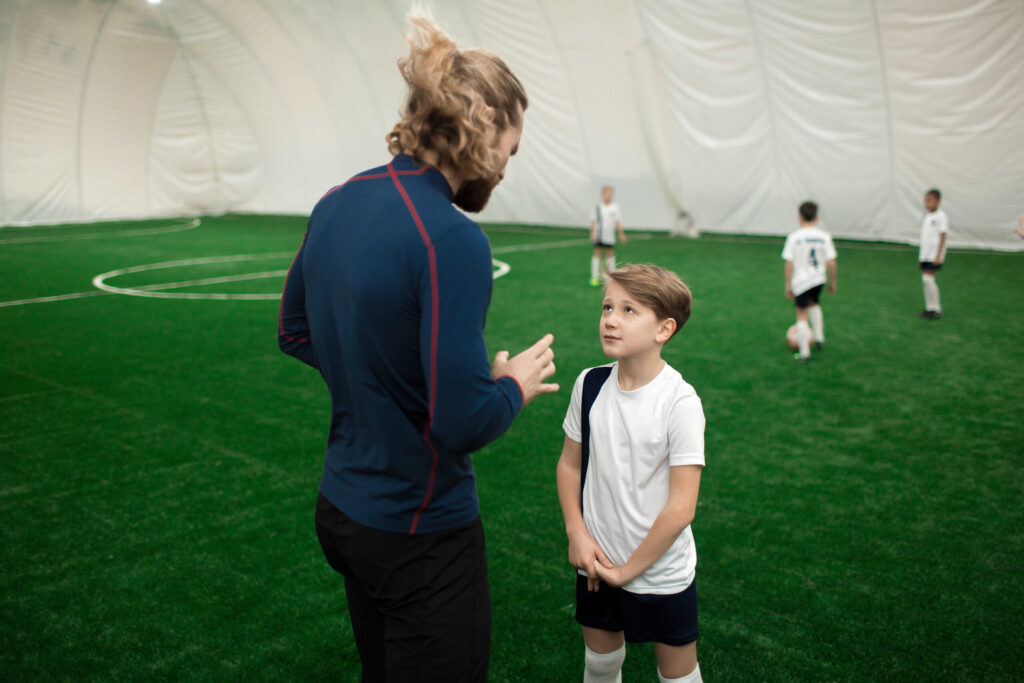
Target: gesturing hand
pixel 529 368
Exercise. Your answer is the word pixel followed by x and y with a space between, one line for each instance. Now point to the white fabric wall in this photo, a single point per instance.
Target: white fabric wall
pixel 731 110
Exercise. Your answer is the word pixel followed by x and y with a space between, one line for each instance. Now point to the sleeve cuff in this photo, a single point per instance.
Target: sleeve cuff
pixel 519 390
pixel 678 459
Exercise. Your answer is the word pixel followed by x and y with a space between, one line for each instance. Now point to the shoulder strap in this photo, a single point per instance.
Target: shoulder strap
pixel 592 384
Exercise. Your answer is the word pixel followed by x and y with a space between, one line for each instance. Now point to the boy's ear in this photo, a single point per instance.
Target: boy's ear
pixel 665 330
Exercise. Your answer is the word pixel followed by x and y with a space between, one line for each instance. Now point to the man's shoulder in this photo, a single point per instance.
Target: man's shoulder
pixel 336 193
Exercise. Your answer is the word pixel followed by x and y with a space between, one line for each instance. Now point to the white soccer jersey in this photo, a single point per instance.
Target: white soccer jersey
pixel 809 249
pixel 606 216
pixel 635 436
pixel 932 225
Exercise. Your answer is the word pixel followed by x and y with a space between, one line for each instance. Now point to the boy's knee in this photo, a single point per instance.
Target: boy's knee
pixel 601 665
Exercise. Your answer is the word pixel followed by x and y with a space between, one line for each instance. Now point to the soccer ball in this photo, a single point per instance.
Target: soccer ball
pixel 792 339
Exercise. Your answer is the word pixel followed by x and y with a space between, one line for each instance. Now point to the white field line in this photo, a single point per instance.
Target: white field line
pixel 853 244
pixel 554 245
pixel 100 280
pixel 180 227
pixel 59 297
pixel 151 291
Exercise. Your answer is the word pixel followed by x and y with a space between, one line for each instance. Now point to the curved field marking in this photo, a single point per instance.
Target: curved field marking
pixel 151 291
pixel 99 282
pixel 179 227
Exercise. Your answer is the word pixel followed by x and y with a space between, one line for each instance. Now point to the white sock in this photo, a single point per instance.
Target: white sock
pixel 931 293
pixel 610 263
pixel 817 323
pixel 803 335
pixel 692 677
pixel 595 267
pixel 606 668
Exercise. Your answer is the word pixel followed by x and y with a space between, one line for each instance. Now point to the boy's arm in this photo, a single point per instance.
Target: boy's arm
pixel 832 270
pixel 939 255
pixel 789 280
pixel 683 486
pixel 584 553
pixel 593 231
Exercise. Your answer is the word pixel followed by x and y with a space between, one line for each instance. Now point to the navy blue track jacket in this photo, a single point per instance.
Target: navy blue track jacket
pixel 387 298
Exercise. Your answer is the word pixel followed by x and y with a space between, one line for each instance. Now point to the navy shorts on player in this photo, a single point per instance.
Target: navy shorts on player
pixel 805 299
pixel 603 245
pixel 419 603
pixel 669 619
pixel 928 266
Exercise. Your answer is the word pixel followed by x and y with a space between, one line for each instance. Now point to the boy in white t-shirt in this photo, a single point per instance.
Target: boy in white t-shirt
pixel 628 479
pixel 932 254
pixel 605 221
pixel 810 263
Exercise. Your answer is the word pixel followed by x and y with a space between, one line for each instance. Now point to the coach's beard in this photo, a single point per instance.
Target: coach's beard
pixel 473 195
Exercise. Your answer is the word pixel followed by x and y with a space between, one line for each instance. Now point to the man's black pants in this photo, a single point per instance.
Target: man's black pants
pixel 420 604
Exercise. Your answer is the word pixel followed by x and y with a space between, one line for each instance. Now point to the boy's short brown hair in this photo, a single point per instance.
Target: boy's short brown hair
pixel 660 290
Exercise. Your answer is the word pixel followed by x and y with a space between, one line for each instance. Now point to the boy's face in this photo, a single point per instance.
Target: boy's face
pixel 931 202
pixel 607 195
pixel 628 328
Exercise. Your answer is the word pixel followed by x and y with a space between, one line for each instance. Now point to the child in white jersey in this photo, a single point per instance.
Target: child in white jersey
pixel 628 479
pixel 932 253
pixel 605 221
pixel 809 252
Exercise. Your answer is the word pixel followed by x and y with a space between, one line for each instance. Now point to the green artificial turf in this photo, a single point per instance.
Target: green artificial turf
pixel 860 517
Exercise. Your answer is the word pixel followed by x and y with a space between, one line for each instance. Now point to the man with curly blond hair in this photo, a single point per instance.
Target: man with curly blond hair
pixel 387 298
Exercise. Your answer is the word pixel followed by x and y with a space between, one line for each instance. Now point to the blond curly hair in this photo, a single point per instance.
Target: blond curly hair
pixel 450 91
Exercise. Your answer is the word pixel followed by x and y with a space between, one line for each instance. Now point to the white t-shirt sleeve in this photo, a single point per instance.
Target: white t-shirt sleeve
pixel 942 223
pixel 830 248
pixel 787 249
pixel 571 424
pixel 686 432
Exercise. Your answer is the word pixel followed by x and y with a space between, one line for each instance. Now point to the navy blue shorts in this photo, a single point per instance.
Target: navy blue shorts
pixel 929 266
pixel 669 619
pixel 603 245
pixel 805 299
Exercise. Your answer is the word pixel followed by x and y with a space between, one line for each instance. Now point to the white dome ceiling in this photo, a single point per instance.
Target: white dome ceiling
pixel 733 111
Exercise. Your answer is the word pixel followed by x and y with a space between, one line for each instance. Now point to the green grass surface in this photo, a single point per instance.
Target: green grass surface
pixel 860 518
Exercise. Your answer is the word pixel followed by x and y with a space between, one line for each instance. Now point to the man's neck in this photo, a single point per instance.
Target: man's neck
pixel 454 179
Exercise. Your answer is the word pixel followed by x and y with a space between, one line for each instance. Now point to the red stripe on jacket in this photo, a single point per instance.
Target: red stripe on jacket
pixel 434 316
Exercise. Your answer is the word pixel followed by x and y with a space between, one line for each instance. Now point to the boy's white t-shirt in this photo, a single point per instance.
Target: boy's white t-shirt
pixel 606 216
pixel 808 249
pixel 635 436
pixel 932 225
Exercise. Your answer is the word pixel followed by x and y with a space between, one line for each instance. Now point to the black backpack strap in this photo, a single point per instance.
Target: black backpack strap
pixel 592 383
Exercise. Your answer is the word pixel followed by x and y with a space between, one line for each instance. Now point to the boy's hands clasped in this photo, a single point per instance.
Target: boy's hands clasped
pixel 585 554
pixel 529 368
